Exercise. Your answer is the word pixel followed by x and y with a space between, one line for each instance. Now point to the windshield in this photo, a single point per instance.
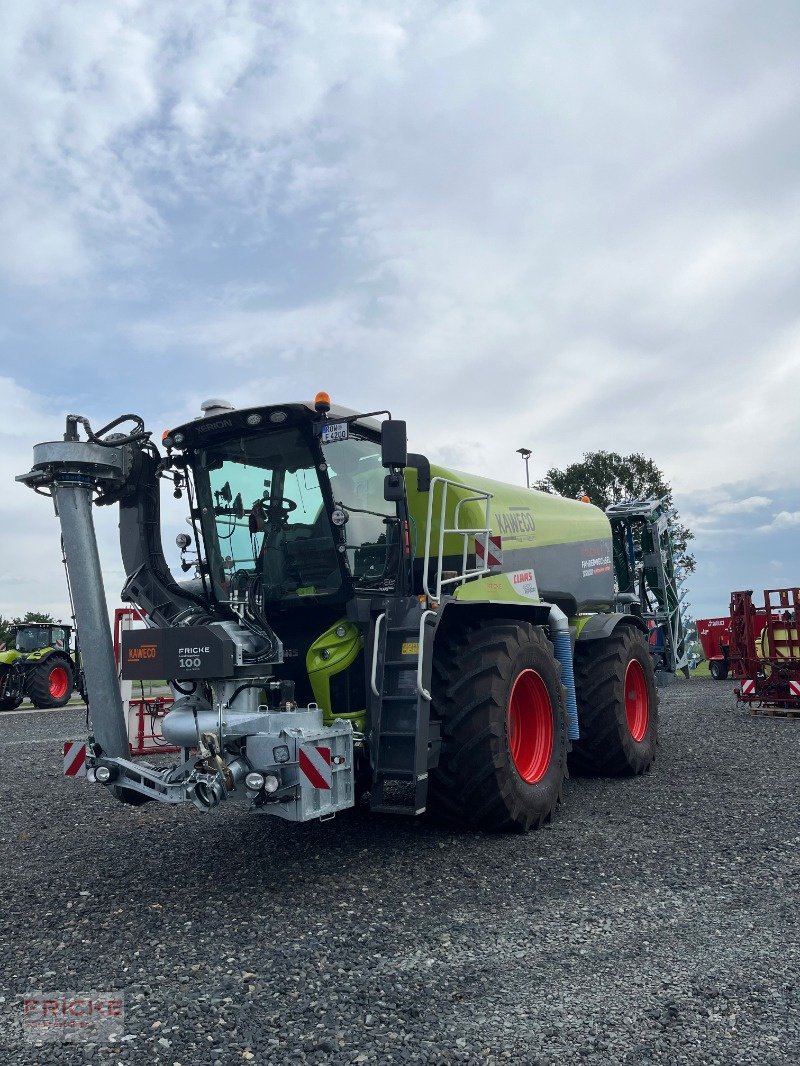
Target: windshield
pixel 265 512
pixel 31 638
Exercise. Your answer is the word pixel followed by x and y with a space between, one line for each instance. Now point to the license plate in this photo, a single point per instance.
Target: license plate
pixel 333 431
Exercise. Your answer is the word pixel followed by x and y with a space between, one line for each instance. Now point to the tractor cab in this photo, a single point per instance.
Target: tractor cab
pixel 294 519
pixel 294 525
pixel 36 636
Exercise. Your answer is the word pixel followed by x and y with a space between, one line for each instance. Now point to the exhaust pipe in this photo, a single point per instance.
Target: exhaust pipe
pixel 72 470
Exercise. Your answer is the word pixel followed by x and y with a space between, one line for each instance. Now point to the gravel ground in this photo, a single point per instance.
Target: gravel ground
pixel 653 922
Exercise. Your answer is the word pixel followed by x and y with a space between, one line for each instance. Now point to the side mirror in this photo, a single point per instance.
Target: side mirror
pixel 393 488
pixel 394 443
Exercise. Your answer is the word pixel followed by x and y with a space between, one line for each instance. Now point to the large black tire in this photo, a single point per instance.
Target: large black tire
pixel 617 706
pixel 498 694
pixel 718 670
pixel 8 703
pixel 51 683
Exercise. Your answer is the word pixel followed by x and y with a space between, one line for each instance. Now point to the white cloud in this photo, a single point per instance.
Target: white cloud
pixel 745 506
pixel 563 228
pixel 782 520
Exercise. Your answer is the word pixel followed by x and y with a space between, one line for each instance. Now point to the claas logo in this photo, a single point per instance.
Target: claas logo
pixel 144 651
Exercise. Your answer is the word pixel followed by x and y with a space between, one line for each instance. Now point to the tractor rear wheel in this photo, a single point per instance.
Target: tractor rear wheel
pixel 51 683
pixel 617 705
pixel 718 670
pixel 498 694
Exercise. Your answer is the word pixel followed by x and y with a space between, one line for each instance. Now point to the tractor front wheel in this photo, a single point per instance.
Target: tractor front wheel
pixel 498 694
pixel 8 703
pixel 617 705
pixel 51 683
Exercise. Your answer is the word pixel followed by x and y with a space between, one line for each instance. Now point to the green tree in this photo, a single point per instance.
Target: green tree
pixel 35 616
pixel 607 477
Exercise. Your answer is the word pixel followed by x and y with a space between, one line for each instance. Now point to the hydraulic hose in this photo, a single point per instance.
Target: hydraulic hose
pixel 562 646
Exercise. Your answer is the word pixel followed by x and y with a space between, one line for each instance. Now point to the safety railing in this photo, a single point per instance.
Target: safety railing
pixel 444 486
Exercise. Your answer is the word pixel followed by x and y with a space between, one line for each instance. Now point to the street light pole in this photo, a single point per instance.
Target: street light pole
pixel 526 454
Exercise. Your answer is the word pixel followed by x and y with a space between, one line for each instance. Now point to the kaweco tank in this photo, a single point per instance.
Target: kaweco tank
pixel 541 547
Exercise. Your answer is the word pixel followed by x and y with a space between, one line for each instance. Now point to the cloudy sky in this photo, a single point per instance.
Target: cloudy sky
pixel 565 226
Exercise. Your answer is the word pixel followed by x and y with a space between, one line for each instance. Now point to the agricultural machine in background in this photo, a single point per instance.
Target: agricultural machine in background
pixel 764 651
pixel 649 575
pixel 362 624
pixel 41 665
pixel 715 639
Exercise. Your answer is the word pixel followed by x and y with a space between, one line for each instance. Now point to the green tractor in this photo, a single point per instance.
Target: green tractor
pixel 39 665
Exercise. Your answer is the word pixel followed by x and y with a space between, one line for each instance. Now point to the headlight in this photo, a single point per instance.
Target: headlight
pixel 254 781
pixel 102 774
pixel 271 783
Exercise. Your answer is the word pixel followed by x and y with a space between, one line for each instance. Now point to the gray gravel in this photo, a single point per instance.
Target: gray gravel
pixel 653 922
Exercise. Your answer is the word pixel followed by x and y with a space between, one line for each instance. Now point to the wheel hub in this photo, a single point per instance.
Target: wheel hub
pixel 637 700
pixel 530 726
pixel 57 682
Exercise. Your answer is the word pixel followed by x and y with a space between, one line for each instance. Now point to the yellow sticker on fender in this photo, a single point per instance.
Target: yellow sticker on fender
pixel 410 647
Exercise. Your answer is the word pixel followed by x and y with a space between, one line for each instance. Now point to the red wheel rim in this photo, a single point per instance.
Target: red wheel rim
pixel 58 682
pixel 637 700
pixel 530 726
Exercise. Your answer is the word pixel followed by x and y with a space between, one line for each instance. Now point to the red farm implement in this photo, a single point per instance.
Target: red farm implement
pixel 767 665
pixel 715 639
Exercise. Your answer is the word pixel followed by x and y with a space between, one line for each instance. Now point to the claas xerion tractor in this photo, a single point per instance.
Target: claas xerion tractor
pixel 361 625
pixel 39 664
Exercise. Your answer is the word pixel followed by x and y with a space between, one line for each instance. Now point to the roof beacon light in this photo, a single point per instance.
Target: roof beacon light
pixel 322 403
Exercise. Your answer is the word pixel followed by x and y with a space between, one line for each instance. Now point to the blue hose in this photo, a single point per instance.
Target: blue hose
pixel 562 646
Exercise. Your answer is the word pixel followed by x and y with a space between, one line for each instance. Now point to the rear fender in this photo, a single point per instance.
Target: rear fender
pixel 601 626
pixel 458 613
pixel 537 613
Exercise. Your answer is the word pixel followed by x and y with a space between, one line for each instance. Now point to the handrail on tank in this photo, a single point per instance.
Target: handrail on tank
pixel 483 532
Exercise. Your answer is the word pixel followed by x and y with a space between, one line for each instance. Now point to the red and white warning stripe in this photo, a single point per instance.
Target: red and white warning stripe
pixel 748 688
pixel 74 759
pixel 315 766
pixel 794 688
pixel 494 556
